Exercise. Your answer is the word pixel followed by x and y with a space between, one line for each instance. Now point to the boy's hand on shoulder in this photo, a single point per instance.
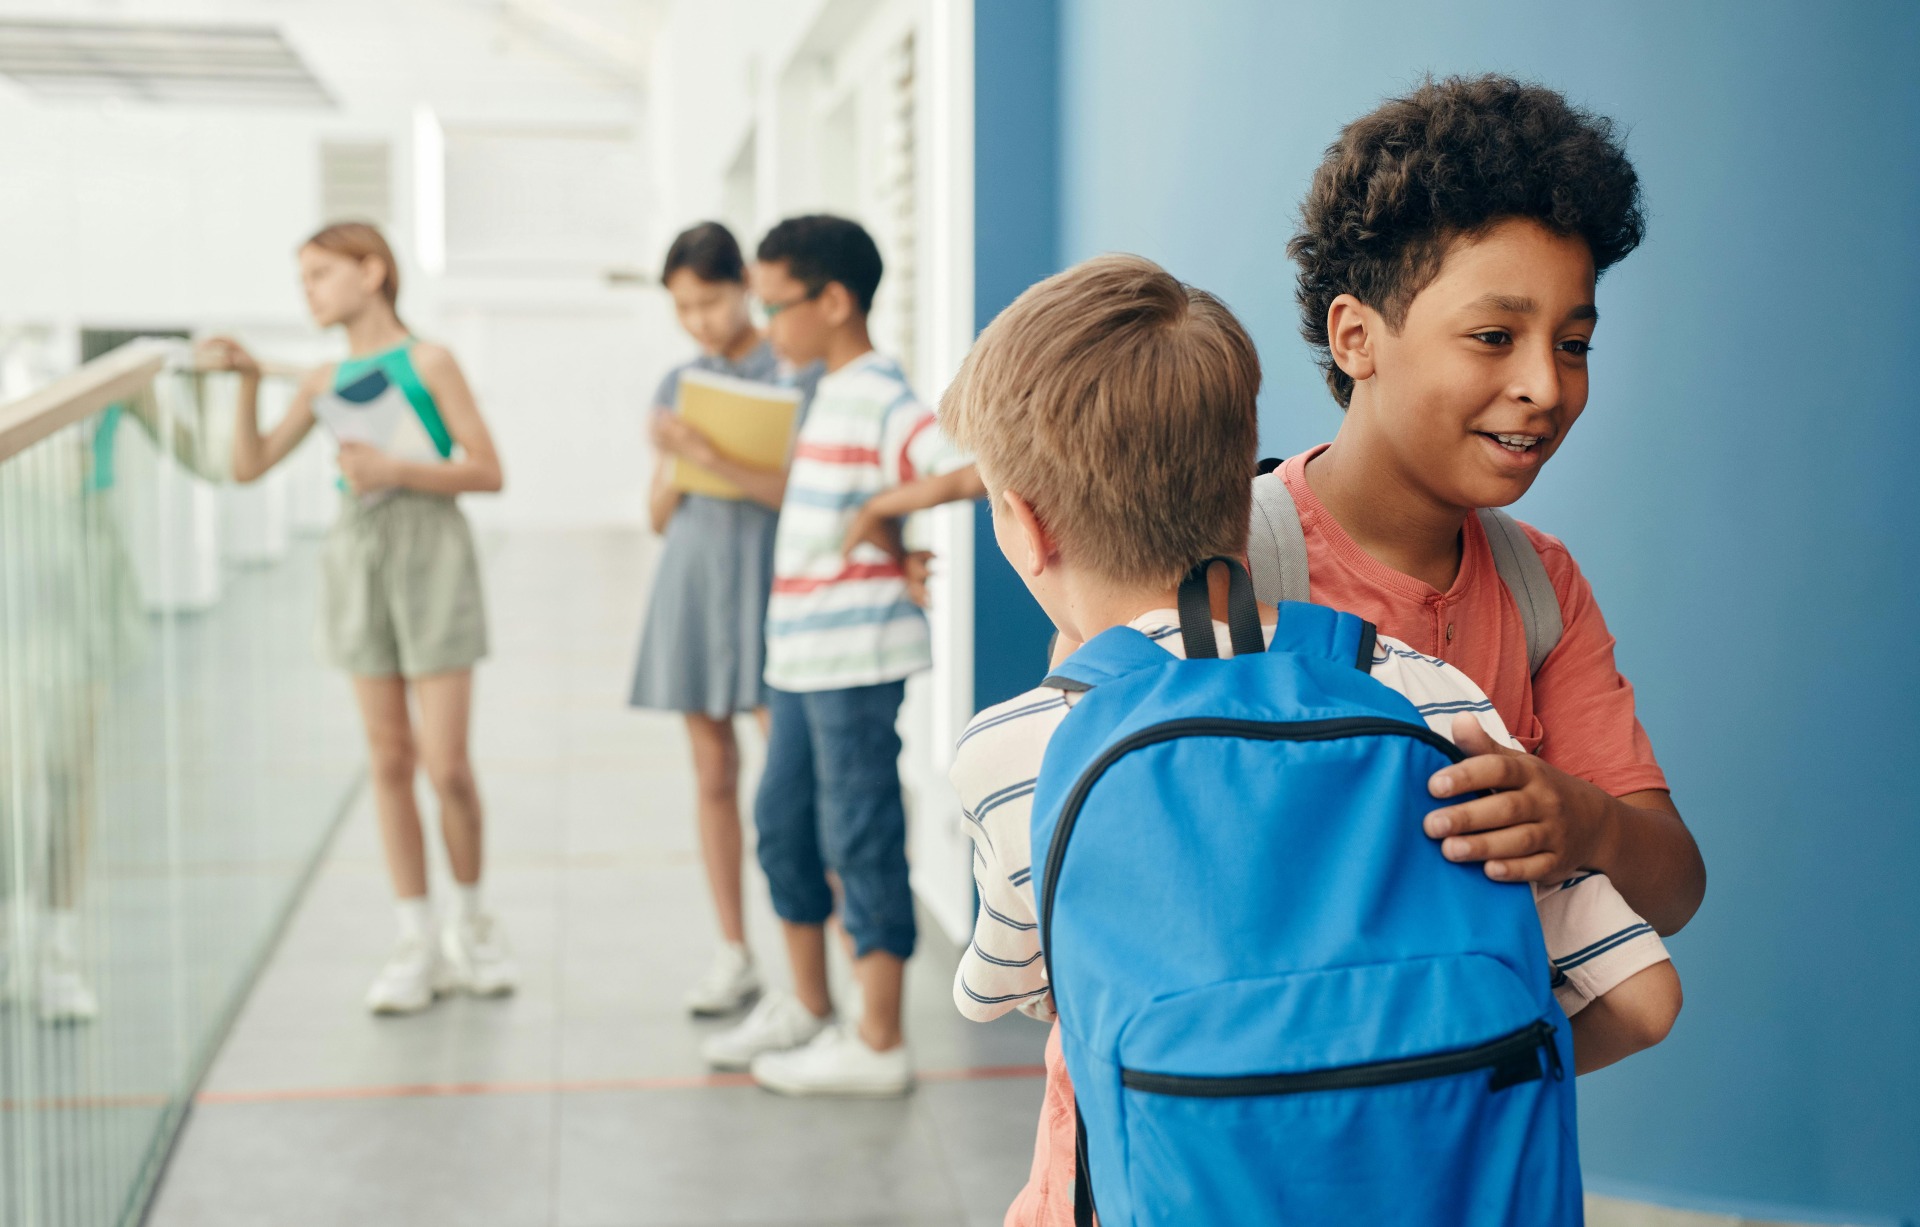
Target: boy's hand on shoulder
pixel 1540 824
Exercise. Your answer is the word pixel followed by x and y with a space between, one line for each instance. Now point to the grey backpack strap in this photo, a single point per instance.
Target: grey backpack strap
pixel 1526 579
pixel 1276 544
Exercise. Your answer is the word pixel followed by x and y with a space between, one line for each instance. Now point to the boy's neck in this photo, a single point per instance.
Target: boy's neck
pixel 1383 510
pixel 848 344
pixel 1094 605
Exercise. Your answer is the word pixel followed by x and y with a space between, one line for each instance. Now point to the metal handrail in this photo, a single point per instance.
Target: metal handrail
pixel 110 377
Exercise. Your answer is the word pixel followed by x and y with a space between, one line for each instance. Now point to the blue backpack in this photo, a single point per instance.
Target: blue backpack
pixel 1278 1002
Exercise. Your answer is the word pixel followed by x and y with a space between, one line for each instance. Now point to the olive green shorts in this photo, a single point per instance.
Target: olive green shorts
pixel 400 588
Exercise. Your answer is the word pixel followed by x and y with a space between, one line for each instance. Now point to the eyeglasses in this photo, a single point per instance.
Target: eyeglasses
pixel 771 309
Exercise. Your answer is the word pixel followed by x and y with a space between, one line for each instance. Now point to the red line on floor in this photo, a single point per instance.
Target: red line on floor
pixel 431 1090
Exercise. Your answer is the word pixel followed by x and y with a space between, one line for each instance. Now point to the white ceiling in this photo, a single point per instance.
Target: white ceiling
pixel 540 60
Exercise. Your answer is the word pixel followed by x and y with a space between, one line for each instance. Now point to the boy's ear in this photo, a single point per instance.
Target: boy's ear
pixel 836 304
pixel 1352 327
pixel 1030 536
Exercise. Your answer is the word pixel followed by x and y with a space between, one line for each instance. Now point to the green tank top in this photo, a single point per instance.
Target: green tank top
pixel 380 399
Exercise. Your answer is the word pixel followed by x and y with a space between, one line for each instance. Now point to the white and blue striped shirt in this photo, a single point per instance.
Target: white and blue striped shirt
pixel 1594 939
pixel 836 622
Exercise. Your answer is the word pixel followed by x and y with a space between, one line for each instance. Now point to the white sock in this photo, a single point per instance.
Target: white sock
pixel 466 902
pixel 415 916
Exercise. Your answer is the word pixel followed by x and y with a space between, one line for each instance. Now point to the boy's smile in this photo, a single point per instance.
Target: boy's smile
pixel 1478 387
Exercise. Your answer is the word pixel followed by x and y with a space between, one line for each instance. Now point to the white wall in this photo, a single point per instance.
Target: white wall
pixel 130 215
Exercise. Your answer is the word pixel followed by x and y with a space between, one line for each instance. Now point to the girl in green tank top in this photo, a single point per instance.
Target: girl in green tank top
pixel 402 604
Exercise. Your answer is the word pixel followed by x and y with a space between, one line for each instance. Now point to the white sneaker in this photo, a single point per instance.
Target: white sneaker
pixel 478 958
pixel 64 995
pixel 731 983
pixel 779 1022
pixel 411 979
pixel 837 1062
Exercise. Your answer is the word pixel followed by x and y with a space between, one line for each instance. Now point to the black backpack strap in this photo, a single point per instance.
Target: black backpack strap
pixel 1243 612
pixel 1369 639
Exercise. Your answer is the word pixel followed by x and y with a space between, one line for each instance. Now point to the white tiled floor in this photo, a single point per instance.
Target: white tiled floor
pixel 581 1101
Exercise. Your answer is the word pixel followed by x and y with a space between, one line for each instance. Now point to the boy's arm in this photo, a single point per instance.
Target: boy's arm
pixel 876 523
pixel 1001 969
pixel 1631 1017
pixel 1612 974
pixel 1543 825
pixel 993 774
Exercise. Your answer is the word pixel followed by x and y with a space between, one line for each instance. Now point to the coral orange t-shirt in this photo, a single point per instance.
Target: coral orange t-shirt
pixel 1576 713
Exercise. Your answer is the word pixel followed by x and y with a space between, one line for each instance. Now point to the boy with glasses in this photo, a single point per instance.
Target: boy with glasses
pixel 843 635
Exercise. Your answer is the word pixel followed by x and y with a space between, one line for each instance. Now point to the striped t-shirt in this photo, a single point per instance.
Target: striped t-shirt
pixel 1594 939
pixel 835 622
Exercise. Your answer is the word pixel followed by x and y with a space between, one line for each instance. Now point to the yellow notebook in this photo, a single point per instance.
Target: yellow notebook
pixel 748 422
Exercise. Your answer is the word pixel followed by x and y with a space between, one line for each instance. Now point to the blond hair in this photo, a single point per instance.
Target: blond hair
pixel 1120 403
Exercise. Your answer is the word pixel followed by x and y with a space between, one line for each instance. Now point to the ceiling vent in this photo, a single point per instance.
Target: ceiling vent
pixel 207 65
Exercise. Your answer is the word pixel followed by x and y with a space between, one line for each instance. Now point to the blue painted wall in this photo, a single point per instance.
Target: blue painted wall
pixel 1016 220
pixel 1741 491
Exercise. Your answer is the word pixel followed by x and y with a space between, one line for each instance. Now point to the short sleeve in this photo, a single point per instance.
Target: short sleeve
pixel 1437 690
pixel 1584 706
pixel 912 445
pixel 1596 941
pixel 668 394
pixel 995 767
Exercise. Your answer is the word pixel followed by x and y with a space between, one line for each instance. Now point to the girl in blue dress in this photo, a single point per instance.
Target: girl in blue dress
pixel 702 651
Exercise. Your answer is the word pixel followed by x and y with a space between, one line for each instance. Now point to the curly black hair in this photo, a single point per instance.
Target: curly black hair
pixel 1450 159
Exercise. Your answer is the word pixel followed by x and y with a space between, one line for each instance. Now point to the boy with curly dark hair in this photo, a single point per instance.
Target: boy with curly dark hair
pixel 1448 251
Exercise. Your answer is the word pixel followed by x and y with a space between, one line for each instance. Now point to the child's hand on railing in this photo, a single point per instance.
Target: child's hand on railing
pixel 227 354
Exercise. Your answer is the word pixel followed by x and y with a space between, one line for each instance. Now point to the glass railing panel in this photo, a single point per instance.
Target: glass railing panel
pixel 172 756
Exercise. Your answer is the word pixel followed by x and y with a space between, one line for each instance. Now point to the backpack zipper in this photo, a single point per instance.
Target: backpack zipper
pixel 1206 726
pixel 1511 1054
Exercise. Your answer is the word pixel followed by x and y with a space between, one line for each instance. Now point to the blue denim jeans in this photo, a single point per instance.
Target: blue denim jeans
pixel 830 799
